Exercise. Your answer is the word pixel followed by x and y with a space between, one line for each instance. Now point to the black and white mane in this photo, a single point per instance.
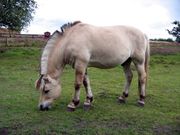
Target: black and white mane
pixel 50 44
pixel 68 25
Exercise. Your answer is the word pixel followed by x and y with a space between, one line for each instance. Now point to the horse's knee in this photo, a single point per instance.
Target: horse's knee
pixel 79 77
pixel 142 79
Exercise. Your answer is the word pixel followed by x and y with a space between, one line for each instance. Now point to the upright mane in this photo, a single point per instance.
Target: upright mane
pixel 68 25
pixel 47 50
pixel 50 45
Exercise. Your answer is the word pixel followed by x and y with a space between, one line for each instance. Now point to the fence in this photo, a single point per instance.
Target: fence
pixel 13 40
pixel 27 40
pixel 162 47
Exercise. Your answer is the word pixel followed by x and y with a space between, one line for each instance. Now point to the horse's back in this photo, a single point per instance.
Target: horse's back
pixel 106 46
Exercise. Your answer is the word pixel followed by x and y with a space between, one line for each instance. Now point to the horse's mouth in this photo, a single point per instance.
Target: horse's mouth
pixel 41 108
pixel 45 106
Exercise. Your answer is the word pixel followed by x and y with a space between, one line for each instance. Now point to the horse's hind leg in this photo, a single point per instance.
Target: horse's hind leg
pixel 129 76
pixel 89 95
pixel 141 82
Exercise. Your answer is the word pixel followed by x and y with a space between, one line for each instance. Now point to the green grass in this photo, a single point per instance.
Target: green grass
pixel 19 99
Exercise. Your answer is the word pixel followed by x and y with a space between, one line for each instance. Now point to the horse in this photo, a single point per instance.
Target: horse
pixel 83 45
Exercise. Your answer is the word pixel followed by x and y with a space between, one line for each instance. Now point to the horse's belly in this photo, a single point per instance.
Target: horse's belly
pixel 101 65
pixel 104 63
pixel 108 59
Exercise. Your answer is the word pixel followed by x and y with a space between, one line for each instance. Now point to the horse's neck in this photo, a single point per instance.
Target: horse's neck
pixel 55 63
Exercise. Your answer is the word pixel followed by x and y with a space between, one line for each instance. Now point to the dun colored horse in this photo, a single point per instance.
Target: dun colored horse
pixel 82 45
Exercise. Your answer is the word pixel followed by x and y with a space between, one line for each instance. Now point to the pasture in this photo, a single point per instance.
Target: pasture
pixel 18 100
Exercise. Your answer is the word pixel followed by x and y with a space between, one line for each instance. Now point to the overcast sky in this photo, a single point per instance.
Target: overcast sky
pixel 153 17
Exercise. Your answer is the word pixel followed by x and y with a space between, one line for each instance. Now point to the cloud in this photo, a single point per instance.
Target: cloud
pixel 151 16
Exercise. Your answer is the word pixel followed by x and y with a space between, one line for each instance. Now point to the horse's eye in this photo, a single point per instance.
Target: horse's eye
pixel 46 80
pixel 46 91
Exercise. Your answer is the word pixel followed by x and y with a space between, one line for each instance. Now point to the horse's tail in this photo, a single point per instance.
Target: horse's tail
pixel 147 57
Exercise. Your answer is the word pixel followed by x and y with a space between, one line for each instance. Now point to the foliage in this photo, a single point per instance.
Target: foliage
pixel 175 31
pixel 16 14
pixel 162 39
pixel 18 100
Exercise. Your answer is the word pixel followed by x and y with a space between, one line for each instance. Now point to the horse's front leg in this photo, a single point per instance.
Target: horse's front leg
pixel 79 76
pixel 89 95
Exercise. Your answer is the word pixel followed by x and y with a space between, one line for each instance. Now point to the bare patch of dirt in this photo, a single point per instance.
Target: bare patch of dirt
pixel 81 123
pixel 167 130
pixel 4 131
pixel 36 132
pixel 3 50
pixel 10 130
pixel 115 124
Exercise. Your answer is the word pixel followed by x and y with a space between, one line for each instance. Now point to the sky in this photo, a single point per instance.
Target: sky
pixel 152 17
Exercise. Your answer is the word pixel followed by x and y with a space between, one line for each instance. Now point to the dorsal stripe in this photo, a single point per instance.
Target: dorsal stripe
pixel 47 50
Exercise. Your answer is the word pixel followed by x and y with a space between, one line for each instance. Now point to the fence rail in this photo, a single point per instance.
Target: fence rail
pixel 7 40
pixel 7 35
pixel 27 40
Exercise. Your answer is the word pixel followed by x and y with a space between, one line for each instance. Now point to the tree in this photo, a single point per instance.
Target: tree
pixel 16 14
pixel 175 31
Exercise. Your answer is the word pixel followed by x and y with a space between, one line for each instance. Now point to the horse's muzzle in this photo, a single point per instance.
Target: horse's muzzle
pixel 44 107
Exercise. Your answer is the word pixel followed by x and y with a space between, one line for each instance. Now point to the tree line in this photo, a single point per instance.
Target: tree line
pixel 162 39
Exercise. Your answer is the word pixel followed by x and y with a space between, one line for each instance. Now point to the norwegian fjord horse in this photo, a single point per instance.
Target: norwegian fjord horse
pixel 82 45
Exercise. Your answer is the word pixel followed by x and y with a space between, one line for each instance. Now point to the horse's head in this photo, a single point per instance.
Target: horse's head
pixel 49 91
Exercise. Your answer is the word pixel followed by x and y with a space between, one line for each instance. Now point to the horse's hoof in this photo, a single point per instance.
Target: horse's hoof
pixel 141 103
pixel 71 108
pixel 87 106
pixel 121 100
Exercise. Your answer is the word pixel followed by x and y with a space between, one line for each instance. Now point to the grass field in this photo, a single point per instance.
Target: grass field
pixel 19 99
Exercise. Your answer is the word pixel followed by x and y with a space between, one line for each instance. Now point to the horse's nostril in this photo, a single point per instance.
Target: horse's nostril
pixel 42 108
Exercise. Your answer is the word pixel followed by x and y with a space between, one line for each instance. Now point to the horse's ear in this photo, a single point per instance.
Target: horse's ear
pixel 38 83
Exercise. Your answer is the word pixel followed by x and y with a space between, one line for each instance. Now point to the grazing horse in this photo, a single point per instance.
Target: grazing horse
pixel 82 45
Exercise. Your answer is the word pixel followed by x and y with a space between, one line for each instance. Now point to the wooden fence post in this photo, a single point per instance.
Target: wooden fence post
pixel 6 44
